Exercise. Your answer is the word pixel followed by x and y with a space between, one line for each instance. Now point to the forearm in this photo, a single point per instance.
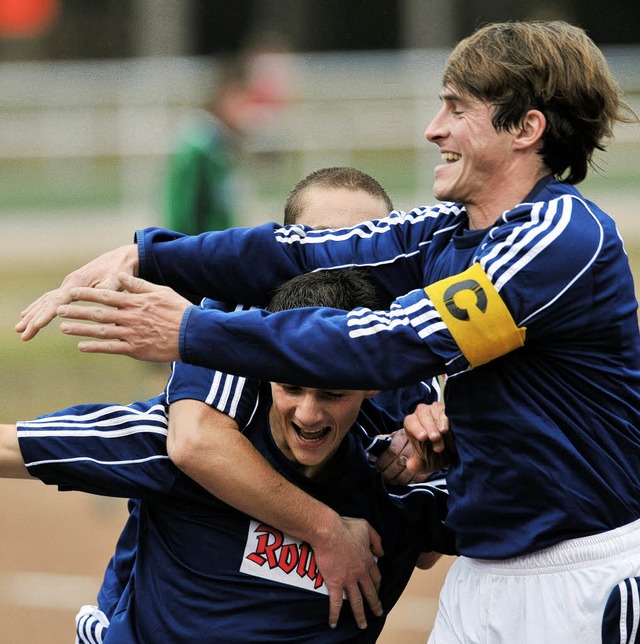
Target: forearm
pixel 207 445
pixel 276 348
pixel 224 462
pixel 246 264
pixel 103 448
pixel 202 263
pixel 11 462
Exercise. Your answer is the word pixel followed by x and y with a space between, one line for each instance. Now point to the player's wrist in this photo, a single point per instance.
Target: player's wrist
pixel 323 527
pixel 130 259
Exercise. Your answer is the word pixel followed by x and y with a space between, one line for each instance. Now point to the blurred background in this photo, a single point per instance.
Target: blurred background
pixel 95 96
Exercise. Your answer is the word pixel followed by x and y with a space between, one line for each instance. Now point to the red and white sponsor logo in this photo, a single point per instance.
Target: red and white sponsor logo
pixel 272 554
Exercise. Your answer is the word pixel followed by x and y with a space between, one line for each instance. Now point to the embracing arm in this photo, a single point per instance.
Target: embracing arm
pixel 246 264
pixel 207 445
pixel 350 350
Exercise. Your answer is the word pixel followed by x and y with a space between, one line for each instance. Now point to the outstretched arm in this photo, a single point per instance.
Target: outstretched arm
pixel 153 323
pixel 207 445
pixel 201 264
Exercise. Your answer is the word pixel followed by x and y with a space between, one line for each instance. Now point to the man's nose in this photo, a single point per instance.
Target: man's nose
pixel 308 411
pixel 435 128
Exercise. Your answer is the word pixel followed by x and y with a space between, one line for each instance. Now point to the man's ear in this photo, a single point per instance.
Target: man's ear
pixel 530 131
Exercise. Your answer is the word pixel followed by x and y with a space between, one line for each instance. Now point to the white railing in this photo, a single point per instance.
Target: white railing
pixel 356 100
pixel 130 109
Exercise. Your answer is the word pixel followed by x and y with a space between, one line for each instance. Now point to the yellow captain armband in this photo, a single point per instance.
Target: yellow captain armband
pixel 476 316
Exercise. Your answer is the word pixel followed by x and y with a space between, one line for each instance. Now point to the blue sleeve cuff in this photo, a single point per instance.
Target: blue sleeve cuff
pixel 142 264
pixel 182 337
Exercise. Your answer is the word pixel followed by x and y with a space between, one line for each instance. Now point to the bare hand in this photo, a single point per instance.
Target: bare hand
pixel 101 272
pixel 394 462
pixel 428 431
pixel 143 323
pixel 348 566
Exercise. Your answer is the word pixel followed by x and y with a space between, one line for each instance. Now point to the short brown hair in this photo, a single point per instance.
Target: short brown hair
pixel 334 177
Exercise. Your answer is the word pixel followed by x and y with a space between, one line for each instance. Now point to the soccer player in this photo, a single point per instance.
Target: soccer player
pixel 204 571
pixel 208 445
pixel 516 286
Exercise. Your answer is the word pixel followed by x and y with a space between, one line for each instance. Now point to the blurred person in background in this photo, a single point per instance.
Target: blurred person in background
pixel 205 178
pixel 202 184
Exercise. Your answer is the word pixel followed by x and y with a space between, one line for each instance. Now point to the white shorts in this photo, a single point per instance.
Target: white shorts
pixel 553 596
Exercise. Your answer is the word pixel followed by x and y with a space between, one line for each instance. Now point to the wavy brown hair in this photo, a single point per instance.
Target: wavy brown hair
pixel 550 66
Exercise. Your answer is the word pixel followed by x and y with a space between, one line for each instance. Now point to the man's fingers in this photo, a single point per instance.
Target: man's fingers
pixel 136 284
pixel 90 313
pixel 367 592
pixel 29 308
pixel 98 331
pixel 397 444
pixel 357 606
pixel 335 606
pixel 393 472
pixel 104 296
pixel 144 324
pixel 372 598
pixel 375 542
pixel 428 422
pixel 113 282
pixel 414 429
pixel 111 347
pixel 394 461
pixel 416 463
pixel 39 313
pixel 356 602
pixel 428 431
pixel 101 271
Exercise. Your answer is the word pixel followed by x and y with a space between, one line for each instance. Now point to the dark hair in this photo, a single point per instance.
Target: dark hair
pixel 550 66
pixel 334 177
pixel 345 289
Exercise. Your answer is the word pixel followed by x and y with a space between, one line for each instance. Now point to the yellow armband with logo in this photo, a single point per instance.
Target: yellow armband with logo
pixel 476 316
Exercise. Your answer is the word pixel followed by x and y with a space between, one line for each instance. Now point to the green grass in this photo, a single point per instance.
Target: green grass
pixel 31 184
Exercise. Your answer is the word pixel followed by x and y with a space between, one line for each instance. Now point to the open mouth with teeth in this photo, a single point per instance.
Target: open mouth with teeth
pixel 311 438
pixel 450 157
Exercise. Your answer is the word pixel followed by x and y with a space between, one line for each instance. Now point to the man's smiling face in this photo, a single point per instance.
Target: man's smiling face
pixel 308 425
pixel 475 156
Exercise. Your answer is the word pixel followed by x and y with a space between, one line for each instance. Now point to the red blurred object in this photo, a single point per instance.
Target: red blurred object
pixel 27 18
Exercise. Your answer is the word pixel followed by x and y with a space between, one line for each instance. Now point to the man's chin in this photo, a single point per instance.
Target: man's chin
pixel 441 191
pixel 442 195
